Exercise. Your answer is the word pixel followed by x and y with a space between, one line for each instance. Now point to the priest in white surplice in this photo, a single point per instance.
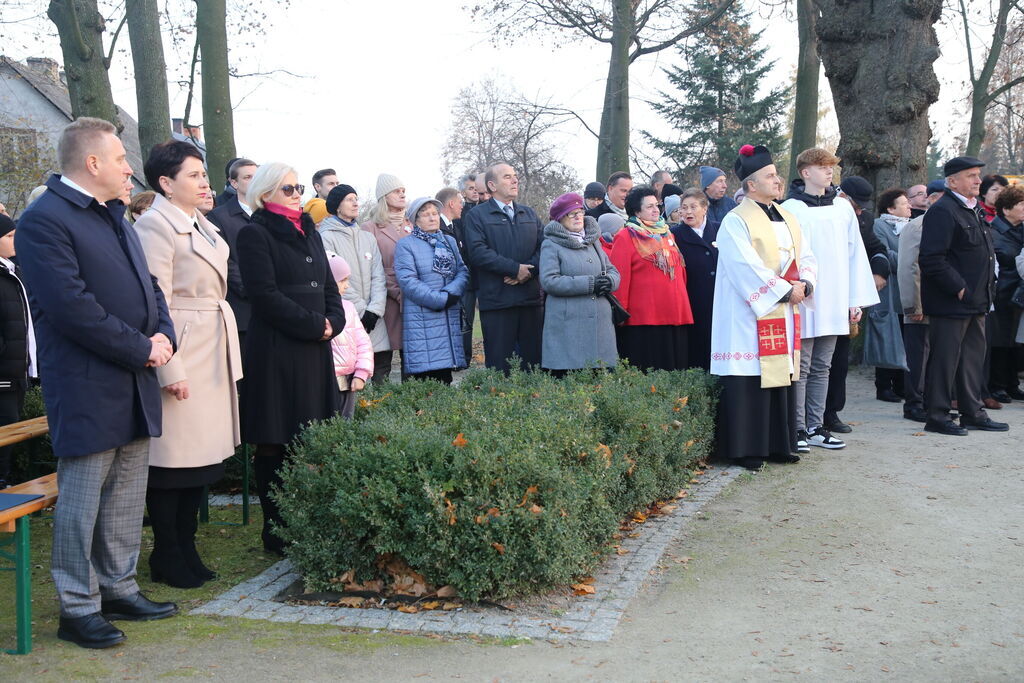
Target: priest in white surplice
pixel 765 269
pixel 845 285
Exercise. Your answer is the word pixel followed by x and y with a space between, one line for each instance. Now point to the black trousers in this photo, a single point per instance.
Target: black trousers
pixel 508 331
pixel 835 400
pixel 442 376
pixel 1002 373
pixel 754 422
pixel 468 315
pixel 11 403
pixel 382 362
pixel 915 342
pixel 956 362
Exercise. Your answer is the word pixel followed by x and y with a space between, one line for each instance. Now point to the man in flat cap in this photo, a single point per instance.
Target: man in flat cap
pixel 957 263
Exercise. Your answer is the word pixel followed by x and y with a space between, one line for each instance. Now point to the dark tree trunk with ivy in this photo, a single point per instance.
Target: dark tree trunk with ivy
pixel 80 28
pixel 805 98
pixel 150 73
pixel 218 120
pixel 878 59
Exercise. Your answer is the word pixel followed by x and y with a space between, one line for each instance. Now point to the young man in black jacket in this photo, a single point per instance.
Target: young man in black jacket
pixel 16 340
pixel 957 262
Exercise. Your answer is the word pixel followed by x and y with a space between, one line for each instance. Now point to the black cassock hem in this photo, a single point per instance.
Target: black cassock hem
pixel 754 422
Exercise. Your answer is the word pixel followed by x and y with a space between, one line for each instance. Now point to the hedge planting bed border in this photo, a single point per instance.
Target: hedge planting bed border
pixel 591 618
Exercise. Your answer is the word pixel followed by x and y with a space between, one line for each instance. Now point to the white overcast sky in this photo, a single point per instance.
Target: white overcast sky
pixel 375 83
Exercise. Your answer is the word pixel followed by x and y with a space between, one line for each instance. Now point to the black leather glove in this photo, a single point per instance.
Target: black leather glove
pixel 369 321
pixel 452 300
pixel 602 285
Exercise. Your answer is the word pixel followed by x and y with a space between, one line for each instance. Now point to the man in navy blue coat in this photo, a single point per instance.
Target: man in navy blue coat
pixel 101 326
pixel 503 243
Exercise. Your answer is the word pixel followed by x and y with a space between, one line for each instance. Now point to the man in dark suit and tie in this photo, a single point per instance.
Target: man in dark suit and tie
pixel 230 217
pixel 101 326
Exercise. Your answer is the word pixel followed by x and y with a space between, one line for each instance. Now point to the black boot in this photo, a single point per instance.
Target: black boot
pixel 188 524
pixel 167 564
pixel 267 463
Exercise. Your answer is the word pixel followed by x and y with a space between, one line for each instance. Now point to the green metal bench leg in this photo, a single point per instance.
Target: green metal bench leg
pixel 22 587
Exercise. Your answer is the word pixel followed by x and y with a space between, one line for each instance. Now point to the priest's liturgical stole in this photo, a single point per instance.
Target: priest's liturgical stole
pixel 772 339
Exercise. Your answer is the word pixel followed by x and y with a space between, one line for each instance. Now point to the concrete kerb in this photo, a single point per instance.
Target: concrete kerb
pixel 593 618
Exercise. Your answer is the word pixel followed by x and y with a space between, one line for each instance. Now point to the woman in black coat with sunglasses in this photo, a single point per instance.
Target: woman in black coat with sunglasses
pixel 296 310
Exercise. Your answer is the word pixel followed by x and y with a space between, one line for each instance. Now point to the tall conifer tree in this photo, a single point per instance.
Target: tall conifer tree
pixel 721 101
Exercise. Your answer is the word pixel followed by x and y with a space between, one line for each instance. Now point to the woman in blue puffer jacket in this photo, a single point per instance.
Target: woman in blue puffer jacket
pixel 432 276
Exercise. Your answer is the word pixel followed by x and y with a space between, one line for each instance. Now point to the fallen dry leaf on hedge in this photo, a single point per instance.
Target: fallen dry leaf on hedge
pixel 665 509
pixel 459 441
pixel 698 472
pixel 621 551
pixel 430 604
pixel 450 510
pixel 639 517
pixel 654 389
pixel 536 509
pixel 589 580
pixel 583 589
pixel 683 493
pixel 499 547
pixel 446 592
pixel 408 609
pixel 451 605
pixel 530 490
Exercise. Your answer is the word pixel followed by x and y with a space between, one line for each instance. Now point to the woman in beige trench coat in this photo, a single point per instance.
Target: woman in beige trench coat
pixel 189 258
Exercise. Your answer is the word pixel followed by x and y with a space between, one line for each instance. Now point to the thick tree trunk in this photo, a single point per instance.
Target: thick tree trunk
pixel 808 66
pixel 218 122
pixel 613 144
pixel 150 73
pixel 878 58
pixel 80 27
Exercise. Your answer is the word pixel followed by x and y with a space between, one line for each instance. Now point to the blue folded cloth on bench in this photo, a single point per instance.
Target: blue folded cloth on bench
pixel 11 500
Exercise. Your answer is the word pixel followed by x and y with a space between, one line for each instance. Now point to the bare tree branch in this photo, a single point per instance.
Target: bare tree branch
pixel 113 41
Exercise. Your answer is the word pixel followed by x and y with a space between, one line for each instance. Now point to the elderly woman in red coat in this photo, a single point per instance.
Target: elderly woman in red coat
pixel 653 287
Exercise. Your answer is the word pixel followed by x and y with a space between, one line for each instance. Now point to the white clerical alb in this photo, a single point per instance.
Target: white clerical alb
pixel 745 288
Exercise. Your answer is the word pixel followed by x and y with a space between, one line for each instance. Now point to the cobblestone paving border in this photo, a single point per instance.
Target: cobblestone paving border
pixel 592 618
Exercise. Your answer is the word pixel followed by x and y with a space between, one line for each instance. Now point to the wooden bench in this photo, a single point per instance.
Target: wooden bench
pixel 16 520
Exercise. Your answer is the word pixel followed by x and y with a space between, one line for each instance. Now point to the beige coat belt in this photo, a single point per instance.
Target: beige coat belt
pixel 186 303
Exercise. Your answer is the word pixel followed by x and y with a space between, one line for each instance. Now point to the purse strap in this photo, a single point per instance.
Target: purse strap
pixel 598 254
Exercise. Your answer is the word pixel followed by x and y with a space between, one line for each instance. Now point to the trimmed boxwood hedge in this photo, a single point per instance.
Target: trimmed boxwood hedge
pixel 497 486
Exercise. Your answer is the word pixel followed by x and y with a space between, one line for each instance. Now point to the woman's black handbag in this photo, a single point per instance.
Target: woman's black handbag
pixel 619 313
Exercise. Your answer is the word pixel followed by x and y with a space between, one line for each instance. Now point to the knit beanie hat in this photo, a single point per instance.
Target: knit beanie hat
pixel 564 205
pixel 610 223
pixel 669 190
pixel 387 183
pixel 672 203
pixel 594 190
pixel 6 224
pixel 417 204
pixel 708 175
pixel 339 267
pixel 337 195
pixel 317 209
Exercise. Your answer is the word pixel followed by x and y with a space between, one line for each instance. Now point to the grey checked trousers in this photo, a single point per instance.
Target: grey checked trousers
pixel 810 392
pixel 97 528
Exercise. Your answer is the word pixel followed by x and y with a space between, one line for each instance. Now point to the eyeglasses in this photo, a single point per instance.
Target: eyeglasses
pixel 289 190
pixel 578 213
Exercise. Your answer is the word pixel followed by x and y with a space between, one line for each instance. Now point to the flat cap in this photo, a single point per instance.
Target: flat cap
pixel 857 189
pixel 961 164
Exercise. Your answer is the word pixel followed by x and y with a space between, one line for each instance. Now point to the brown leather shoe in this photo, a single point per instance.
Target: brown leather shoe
pixel 992 404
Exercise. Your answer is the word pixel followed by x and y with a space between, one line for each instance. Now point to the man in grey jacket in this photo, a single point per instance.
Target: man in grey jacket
pixel 367 285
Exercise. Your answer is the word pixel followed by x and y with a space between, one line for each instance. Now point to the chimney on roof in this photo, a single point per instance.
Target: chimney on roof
pixel 45 66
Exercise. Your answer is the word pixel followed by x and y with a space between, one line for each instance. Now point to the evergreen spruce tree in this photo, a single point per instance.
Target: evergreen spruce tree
pixel 721 101
pixel 936 158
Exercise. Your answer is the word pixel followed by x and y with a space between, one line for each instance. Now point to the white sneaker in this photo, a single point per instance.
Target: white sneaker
pixel 801 442
pixel 822 438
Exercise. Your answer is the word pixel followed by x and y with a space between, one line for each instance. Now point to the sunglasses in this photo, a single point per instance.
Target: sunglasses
pixel 291 189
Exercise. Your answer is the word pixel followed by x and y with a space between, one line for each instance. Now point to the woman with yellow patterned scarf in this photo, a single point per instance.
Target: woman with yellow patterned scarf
pixel 653 287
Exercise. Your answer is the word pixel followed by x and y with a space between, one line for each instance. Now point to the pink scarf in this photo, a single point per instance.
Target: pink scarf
pixel 294 215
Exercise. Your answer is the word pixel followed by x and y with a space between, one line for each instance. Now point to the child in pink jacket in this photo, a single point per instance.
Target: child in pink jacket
pixel 353 351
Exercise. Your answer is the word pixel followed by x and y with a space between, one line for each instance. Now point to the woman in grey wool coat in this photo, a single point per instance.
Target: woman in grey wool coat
pixel 576 274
